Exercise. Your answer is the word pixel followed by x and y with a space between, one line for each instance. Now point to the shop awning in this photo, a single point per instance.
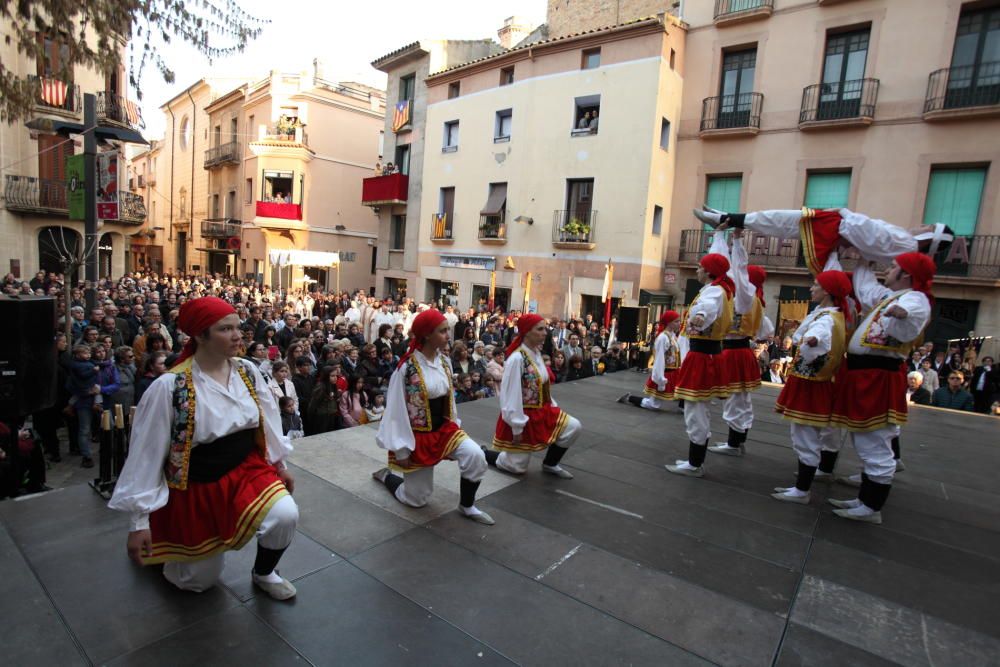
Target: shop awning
pixel 303 258
pixel 496 201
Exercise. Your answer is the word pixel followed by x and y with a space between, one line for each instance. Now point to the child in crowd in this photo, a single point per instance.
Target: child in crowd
pixel 376 409
pixel 291 422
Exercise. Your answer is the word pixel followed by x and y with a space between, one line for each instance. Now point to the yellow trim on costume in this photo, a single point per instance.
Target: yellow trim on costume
pixel 808 242
pixel 246 527
pixel 539 382
pixel 453 442
pixel 891 418
pixel 509 446
pixel 662 395
pixel 681 393
pixel 804 418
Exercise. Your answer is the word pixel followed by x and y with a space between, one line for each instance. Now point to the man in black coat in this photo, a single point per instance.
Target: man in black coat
pixel 984 385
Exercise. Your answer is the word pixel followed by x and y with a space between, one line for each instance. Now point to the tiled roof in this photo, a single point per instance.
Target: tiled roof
pixel 397 52
pixel 553 40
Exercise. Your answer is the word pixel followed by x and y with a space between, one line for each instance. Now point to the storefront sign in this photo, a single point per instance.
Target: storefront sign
pixel 468 262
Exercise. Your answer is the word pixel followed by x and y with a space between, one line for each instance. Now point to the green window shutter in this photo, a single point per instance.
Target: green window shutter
pixel 723 193
pixel 828 190
pixel 953 197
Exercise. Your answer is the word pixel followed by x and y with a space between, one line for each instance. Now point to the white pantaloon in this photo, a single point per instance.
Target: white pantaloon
pixel 875 451
pixel 809 441
pixel 650 403
pixel 738 412
pixel 276 532
pixel 418 485
pixel 517 462
pixel 697 422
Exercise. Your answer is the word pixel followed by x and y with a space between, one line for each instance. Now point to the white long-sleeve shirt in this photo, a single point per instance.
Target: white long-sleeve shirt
pixel 709 305
pixel 870 293
pixel 219 411
pixel 663 343
pixel 394 431
pixel 814 326
pixel 511 398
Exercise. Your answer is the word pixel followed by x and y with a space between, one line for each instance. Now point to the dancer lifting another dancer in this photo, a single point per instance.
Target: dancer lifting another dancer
pixel 420 426
pixel 666 363
pixel 530 420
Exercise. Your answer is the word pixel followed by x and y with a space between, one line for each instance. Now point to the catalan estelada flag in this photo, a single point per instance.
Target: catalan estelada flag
pixel 400 115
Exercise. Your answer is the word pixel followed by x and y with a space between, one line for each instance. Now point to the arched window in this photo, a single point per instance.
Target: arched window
pixel 185 133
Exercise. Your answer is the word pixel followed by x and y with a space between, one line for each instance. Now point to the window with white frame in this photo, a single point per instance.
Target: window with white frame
pixel 501 130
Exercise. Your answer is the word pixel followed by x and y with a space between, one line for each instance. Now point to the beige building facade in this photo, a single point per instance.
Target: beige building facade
pixel 550 159
pixel 887 107
pixel 34 220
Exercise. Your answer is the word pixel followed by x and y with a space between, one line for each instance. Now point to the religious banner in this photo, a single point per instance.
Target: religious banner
pixel 107 185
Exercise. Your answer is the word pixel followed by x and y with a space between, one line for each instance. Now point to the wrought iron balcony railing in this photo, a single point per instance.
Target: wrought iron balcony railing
pixel 839 101
pixel 574 228
pixel 731 112
pixel 113 108
pixel 35 195
pixel 220 228
pixel 131 208
pixel 222 154
pixel 493 228
pixel 953 88
pixel 733 10
pixel 56 95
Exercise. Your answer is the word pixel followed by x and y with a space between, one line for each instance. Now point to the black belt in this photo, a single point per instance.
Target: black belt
pixel 210 461
pixel 859 362
pixel 440 410
pixel 705 346
pixel 736 344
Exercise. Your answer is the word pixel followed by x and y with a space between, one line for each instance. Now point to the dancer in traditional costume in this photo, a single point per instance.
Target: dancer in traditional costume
pixel 206 467
pixel 530 420
pixel 420 426
pixel 740 373
pixel 666 362
pixel 822 231
pixel 700 379
pixel 871 400
pixel 806 398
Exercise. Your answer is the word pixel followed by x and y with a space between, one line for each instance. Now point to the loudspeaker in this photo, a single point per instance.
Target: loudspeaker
pixel 27 355
pixel 632 323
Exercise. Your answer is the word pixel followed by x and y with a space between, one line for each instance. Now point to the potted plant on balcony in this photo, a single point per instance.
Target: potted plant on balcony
pixel 575 230
pixel 489 229
pixel 286 127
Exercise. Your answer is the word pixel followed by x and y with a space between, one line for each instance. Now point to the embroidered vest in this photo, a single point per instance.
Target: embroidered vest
pixel 875 336
pixel 823 367
pixel 721 324
pixel 418 405
pixel 748 324
pixel 534 390
pixel 671 353
pixel 182 432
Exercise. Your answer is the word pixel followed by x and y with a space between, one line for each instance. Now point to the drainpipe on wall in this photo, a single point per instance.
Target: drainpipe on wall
pixel 194 133
pixel 173 139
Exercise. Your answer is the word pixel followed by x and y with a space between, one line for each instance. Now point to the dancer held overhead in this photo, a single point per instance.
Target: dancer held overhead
pixel 806 398
pixel 666 363
pixel 420 426
pixel 206 467
pixel 700 377
pixel 530 420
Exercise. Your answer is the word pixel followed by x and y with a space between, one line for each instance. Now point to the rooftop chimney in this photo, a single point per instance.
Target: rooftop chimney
pixel 513 31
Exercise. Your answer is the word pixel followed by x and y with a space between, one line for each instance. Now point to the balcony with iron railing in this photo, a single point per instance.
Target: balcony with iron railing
pixel 729 12
pixel 131 208
pixel 961 92
pixel 574 229
pixel 220 228
pixel 228 153
pixel 385 190
pixel 839 104
pixel 493 228
pixel 55 96
pixel 115 109
pixel 442 228
pixel 731 115
pixel 969 259
pixel 28 194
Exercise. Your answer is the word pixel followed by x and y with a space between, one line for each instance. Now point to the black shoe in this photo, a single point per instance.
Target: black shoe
pixel 87 462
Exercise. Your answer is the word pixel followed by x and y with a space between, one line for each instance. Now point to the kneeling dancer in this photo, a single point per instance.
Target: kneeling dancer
pixel 420 426
pixel 806 399
pixel 666 363
pixel 871 401
pixel 700 379
pixel 206 467
pixel 530 420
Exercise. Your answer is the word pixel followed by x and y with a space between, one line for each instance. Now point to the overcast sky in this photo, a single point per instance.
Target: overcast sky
pixel 346 36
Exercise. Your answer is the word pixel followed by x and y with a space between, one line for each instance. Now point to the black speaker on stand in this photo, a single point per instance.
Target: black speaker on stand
pixel 632 323
pixel 27 356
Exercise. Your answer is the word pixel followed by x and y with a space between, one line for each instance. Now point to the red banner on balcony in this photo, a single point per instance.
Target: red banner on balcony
pixel 53 92
pixel 269 209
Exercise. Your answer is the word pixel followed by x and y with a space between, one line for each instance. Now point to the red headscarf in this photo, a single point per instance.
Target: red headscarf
pixel 195 318
pixel 921 269
pixel 423 326
pixel 665 319
pixel 525 323
pixel 716 266
pixel 838 285
pixel 757 276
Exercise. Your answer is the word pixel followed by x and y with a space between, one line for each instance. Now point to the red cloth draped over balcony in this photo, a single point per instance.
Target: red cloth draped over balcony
pixel 385 189
pixel 270 209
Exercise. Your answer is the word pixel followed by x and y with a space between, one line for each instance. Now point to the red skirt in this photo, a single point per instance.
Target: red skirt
pixel 869 399
pixel 806 402
pixel 209 518
pixel 545 425
pixel 739 370
pixel 432 447
pixel 820 236
pixel 651 389
pixel 699 378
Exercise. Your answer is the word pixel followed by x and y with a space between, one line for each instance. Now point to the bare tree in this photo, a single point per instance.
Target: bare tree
pixel 71 257
pixel 91 34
